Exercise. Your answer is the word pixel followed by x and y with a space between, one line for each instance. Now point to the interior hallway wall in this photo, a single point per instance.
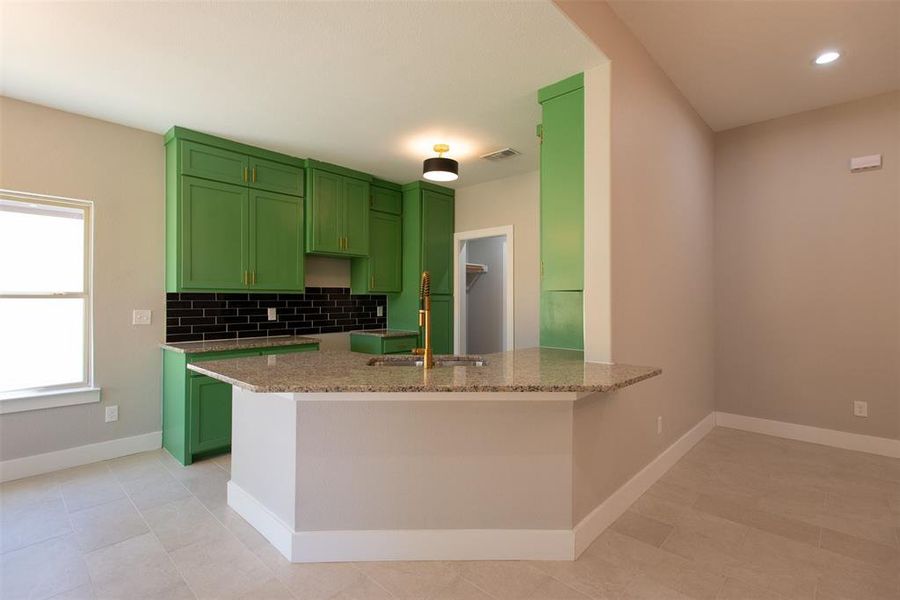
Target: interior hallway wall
pixel 661 212
pixel 808 268
pixel 511 201
pixel 484 301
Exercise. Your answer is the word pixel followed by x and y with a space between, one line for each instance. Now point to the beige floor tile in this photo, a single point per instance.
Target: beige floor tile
pixel 642 588
pixel 43 570
pixel 411 579
pixel 271 589
pixel 861 549
pixel 224 462
pixel 220 568
pixel 243 530
pixel 758 519
pixel 735 589
pixel 716 529
pixel 106 524
pixel 511 580
pixel 459 589
pixel 29 491
pixel 660 508
pixel 31 523
pixel 184 523
pixel 82 472
pixel 137 466
pixel 85 492
pixel 593 577
pixel 83 592
pixel 556 590
pixel 643 528
pixel 135 568
pixel 362 589
pixel 323 580
pixel 154 490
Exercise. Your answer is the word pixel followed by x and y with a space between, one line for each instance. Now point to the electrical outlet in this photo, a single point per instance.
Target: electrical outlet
pixel 379 311
pixel 658 425
pixel 860 408
pixel 273 314
pixel 112 413
pixel 141 316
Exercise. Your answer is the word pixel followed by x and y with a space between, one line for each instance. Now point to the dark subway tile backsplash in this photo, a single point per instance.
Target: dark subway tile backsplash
pixel 215 316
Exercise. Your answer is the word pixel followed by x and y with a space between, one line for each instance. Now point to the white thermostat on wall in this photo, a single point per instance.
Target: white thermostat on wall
pixel 864 163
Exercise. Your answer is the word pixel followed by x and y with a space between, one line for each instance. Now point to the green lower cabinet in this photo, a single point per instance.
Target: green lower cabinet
pixel 196 408
pixel 210 412
pixel 373 344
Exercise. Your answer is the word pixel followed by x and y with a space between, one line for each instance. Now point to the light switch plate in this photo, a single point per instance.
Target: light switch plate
pixel 141 316
pixel 112 413
pixel 860 408
pixel 272 314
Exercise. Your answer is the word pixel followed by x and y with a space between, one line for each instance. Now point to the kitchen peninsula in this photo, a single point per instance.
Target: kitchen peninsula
pixel 337 456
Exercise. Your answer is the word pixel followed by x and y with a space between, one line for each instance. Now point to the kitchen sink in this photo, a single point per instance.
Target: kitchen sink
pixel 416 361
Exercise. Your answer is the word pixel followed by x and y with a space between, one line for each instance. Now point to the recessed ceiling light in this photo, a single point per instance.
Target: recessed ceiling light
pixel 829 56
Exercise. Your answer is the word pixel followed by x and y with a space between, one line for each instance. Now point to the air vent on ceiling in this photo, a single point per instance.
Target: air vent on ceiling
pixel 500 154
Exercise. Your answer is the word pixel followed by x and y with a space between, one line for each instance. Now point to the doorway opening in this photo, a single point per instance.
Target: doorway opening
pixel 483 294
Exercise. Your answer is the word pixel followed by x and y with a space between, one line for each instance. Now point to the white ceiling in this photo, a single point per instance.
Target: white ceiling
pixel 367 85
pixel 740 62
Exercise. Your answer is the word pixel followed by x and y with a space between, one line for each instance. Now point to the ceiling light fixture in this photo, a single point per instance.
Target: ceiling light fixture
pixel 829 56
pixel 439 168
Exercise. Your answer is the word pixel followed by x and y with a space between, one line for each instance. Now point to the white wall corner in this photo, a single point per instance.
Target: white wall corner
pixel 597 206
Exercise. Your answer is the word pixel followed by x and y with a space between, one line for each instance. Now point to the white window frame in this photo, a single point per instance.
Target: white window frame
pixel 76 392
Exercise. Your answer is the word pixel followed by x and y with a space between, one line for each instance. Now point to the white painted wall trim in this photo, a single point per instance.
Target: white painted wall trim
pixel 48 399
pixel 459 283
pixel 816 435
pixel 619 501
pixel 401 544
pixel 38 464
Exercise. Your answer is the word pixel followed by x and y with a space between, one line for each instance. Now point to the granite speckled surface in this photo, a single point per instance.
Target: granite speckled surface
pixel 239 344
pixel 528 370
pixel 385 333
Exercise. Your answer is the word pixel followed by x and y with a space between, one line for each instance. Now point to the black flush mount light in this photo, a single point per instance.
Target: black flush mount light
pixel 439 168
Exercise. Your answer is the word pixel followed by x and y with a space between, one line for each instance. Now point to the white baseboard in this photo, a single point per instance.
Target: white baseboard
pixel 401 544
pixel 38 464
pixel 815 435
pixel 619 501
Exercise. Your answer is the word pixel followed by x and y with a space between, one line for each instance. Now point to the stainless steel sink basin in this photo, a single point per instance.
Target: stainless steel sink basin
pixel 416 361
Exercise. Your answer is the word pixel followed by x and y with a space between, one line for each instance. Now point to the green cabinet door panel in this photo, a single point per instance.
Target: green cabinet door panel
pixel 385 260
pixel 209 162
pixel 562 192
pixel 214 228
pixel 442 324
pixel 355 216
pixel 437 243
pixel 324 213
pixel 210 414
pixel 385 200
pixel 562 317
pixel 276 241
pixel 275 177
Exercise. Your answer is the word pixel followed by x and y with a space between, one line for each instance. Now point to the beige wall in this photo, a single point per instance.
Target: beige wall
pixel 661 264
pixel 121 170
pixel 808 268
pixel 511 201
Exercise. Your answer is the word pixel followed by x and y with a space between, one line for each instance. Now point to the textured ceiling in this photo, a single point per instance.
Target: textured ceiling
pixel 368 85
pixel 740 62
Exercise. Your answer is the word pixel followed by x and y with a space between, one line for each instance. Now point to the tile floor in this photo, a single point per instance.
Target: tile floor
pixel 741 517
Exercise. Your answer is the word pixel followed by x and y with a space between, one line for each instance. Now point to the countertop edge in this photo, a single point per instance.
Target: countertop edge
pixel 274 342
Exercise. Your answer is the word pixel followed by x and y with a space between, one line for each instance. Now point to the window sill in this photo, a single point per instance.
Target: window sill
pixel 14 402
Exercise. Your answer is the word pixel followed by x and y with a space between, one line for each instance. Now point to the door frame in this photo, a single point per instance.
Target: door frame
pixel 460 239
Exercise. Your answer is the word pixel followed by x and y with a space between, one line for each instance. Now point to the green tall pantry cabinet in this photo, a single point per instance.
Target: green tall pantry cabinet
pixel 428 225
pixel 234 216
pixel 562 214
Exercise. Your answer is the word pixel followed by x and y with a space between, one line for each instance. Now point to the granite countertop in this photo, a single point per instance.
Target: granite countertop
pixel 238 344
pixel 385 333
pixel 529 370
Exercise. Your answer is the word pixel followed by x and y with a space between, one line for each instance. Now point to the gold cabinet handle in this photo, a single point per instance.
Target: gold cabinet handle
pixel 253 277
pixel 244 278
pixel 254 174
pixel 542 269
pixel 371 281
pixel 244 174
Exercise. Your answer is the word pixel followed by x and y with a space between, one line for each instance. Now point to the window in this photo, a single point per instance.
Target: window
pixel 45 296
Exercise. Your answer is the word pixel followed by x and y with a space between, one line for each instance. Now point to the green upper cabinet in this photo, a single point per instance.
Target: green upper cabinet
pixel 234 216
pixel 214 222
pixel 275 177
pixel 427 234
pixel 379 272
pixel 276 241
pixel 562 186
pixel 437 242
pixel 337 210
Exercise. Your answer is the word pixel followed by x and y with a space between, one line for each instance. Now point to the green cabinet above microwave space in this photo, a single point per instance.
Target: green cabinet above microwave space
pixel 234 216
pixel 337 210
pixel 380 271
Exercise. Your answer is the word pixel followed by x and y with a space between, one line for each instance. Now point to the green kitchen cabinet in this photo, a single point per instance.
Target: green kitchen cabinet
pixel 234 216
pixel 196 419
pixel 562 213
pixel 337 210
pixel 380 271
pixel 214 223
pixel 427 234
pixel 374 344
